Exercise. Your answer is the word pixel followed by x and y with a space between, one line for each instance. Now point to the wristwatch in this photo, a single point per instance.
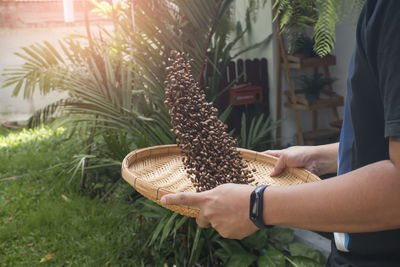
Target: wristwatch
pixel 256 207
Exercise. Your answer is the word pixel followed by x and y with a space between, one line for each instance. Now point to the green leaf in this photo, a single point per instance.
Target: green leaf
pixel 222 255
pixel 196 248
pixel 241 260
pixel 158 229
pixel 266 41
pixel 31 52
pixel 231 246
pixel 258 240
pixel 299 249
pixel 98 186
pixel 168 227
pixel 272 258
pixel 225 114
pixel 179 222
pixel 283 236
pixel 324 29
pixel 299 261
pixel 54 51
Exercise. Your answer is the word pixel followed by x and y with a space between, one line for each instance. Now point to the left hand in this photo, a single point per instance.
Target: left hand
pixel 225 208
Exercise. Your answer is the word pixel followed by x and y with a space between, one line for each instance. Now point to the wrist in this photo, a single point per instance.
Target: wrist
pixel 323 159
pixel 272 210
pixel 256 208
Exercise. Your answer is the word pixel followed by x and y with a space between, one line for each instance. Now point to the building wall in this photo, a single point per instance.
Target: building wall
pixel 261 29
pixel 24 23
pixel 11 41
pixel 41 13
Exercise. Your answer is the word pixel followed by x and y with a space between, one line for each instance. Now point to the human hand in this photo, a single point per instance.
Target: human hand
pixel 225 208
pixel 296 156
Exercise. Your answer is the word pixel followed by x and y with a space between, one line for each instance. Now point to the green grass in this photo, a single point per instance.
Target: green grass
pixel 4 131
pixel 41 213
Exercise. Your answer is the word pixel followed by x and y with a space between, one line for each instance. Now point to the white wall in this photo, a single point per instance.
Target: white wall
pixel 11 41
pixel 345 41
pixel 261 28
pixel 345 33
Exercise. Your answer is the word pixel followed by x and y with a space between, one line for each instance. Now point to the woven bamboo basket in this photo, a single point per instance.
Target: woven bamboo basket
pixel 158 170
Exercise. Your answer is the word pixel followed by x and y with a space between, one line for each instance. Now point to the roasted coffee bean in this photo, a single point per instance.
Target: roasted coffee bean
pixel 210 154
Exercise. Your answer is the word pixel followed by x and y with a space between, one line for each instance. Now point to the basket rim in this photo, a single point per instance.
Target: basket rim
pixel 144 187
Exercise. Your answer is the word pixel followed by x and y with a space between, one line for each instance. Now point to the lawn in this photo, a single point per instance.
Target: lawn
pixel 46 220
pixel 43 221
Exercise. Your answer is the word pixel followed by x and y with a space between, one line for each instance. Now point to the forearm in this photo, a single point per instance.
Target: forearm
pixel 325 158
pixel 363 200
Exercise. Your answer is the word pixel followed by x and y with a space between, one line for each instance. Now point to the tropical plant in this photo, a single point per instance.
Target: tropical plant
pixel 303 46
pixel 257 134
pixel 295 16
pixel 115 79
pixel 205 247
pixel 313 85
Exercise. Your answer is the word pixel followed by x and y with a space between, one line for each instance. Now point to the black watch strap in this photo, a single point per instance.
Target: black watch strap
pixel 256 206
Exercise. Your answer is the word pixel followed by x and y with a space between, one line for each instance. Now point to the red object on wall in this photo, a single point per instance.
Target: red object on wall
pixel 244 94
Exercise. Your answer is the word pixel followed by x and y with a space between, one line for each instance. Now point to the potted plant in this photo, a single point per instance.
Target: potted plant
pixel 303 46
pixel 295 18
pixel 313 85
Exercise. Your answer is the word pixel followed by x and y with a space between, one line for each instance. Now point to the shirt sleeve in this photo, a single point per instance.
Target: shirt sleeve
pixel 388 67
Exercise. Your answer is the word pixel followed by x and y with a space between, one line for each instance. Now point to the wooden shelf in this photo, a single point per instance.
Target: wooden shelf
pixel 298 62
pixel 296 99
pixel 327 100
pixel 312 137
pixel 336 124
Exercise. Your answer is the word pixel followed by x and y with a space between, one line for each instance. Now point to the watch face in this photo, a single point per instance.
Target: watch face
pixel 254 205
pixel 255 208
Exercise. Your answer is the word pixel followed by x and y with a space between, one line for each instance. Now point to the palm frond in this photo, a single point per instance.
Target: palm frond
pixel 49 112
pixel 41 64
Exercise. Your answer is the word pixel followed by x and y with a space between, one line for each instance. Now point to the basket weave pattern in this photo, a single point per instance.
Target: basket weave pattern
pixel 158 170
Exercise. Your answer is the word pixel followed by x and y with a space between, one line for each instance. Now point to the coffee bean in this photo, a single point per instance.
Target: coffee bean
pixel 209 153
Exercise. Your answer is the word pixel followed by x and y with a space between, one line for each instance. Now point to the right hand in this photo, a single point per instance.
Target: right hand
pixel 296 156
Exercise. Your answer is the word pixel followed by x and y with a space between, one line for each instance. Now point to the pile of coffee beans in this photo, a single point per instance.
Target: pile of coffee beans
pixel 210 154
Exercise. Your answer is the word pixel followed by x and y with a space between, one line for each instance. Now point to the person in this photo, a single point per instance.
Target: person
pixel 361 205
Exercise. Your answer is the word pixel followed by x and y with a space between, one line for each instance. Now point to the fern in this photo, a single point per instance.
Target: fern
pixel 324 29
pixel 282 8
pixel 294 16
